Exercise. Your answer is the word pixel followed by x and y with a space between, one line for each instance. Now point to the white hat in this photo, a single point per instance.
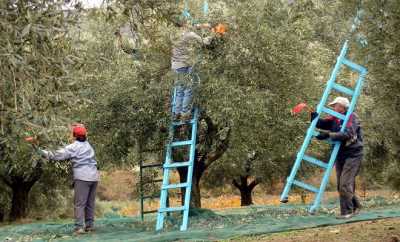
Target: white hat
pixel 342 101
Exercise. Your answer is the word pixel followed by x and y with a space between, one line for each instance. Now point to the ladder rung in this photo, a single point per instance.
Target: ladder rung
pixel 173 186
pixel 305 186
pixel 152 181
pixel 181 143
pixel 176 164
pixel 183 122
pixel 151 165
pixel 353 65
pixel 172 209
pixel 343 89
pixel 315 161
pixel 333 113
pixel 150 211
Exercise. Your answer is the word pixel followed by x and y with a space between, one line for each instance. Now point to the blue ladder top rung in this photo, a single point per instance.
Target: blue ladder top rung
pixel 314 161
pixel 177 164
pixel 305 186
pixel 343 89
pixel 183 122
pixel 181 143
pixel 333 113
pixel 354 66
pixel 171 209
pixel 173 186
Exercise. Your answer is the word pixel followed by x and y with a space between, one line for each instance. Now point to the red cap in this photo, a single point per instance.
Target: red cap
pixel 79 131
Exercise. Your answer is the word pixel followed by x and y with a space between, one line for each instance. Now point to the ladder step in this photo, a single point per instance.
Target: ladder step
pixel 150 211
pixel 173 186
pixel 152 165
pixel 176 164
pixel 343 89
pixel 333 113
pixel 315 161
pixel 354 66
pixel 172 209
pixel 181 143
pixel 305 186
pixel 183 122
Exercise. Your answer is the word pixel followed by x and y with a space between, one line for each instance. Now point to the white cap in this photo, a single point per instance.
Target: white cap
pixel 342 101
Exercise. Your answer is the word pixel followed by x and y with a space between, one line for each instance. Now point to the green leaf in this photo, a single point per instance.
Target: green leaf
pixel 26 30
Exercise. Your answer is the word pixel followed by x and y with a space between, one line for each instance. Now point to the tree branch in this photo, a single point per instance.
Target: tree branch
pixel 254 183
pixel 5 180
pixel 236 184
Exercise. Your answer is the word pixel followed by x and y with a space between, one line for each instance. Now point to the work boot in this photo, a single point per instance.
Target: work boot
pixel 89 229
pixel 356 211
pixel 186 117
pixel 177 117
pixel 345 216
pixel 78 231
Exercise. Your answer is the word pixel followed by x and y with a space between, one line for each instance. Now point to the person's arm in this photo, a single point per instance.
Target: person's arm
pixel 197 38
pixel 350 132
pixel 323 123
pixel 60 154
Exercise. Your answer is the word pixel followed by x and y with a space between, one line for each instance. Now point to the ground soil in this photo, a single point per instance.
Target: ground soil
pixel 385 230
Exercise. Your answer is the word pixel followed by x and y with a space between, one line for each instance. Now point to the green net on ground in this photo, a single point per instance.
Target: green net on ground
pixel 205 225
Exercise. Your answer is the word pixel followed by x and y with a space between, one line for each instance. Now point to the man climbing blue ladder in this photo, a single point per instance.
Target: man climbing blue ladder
pixel 184 114
pixel 345 117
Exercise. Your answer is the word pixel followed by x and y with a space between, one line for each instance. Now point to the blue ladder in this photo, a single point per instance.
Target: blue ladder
pixel 311 132
pixel 169 164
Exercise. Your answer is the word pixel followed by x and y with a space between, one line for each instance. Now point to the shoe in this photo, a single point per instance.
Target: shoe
pixel 345 216
pixel 89 229
pixel 186 117
pixel 356 211
pixel 177 117
pixel 78 231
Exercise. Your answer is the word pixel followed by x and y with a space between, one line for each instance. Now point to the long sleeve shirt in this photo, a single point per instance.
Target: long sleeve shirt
pixel 351 137
pixel 183 49
pixel 81 154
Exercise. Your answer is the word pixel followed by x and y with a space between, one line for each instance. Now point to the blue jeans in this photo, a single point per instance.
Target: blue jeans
pixel 183 92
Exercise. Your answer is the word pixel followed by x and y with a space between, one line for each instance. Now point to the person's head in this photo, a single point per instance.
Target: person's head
pixel 79 132
pixel 340 104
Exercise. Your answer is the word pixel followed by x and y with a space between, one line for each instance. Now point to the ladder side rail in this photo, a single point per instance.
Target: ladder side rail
pixel 190 173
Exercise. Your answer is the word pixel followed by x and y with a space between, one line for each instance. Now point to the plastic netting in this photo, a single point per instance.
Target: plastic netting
pixel 205 225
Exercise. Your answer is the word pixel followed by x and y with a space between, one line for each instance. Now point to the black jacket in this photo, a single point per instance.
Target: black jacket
pixel 351 138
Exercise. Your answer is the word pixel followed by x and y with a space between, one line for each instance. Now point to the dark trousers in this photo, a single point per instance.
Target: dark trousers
pixel 346 171
pixel 84 202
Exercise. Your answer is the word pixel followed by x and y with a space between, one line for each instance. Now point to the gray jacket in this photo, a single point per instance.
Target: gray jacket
pixel 182 51
pixel 81 154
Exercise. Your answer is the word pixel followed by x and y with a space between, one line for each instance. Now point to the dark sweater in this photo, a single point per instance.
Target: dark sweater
pixel 351 137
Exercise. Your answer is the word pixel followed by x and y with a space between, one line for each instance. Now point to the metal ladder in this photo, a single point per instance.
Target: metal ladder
pixel 311 132
pixel 169 165
pixel 143 197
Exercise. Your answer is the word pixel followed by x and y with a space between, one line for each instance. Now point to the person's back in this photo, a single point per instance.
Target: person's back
pixel 183 49
pixel 83 160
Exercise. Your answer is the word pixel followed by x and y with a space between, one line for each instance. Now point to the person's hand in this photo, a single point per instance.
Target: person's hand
pixel 313 115
pixel 322 135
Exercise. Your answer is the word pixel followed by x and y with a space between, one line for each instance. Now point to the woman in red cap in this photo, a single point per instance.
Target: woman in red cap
pixel 85 175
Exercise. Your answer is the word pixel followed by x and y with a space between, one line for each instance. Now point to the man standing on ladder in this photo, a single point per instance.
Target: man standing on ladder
pixel 182 65
pixel 348 161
